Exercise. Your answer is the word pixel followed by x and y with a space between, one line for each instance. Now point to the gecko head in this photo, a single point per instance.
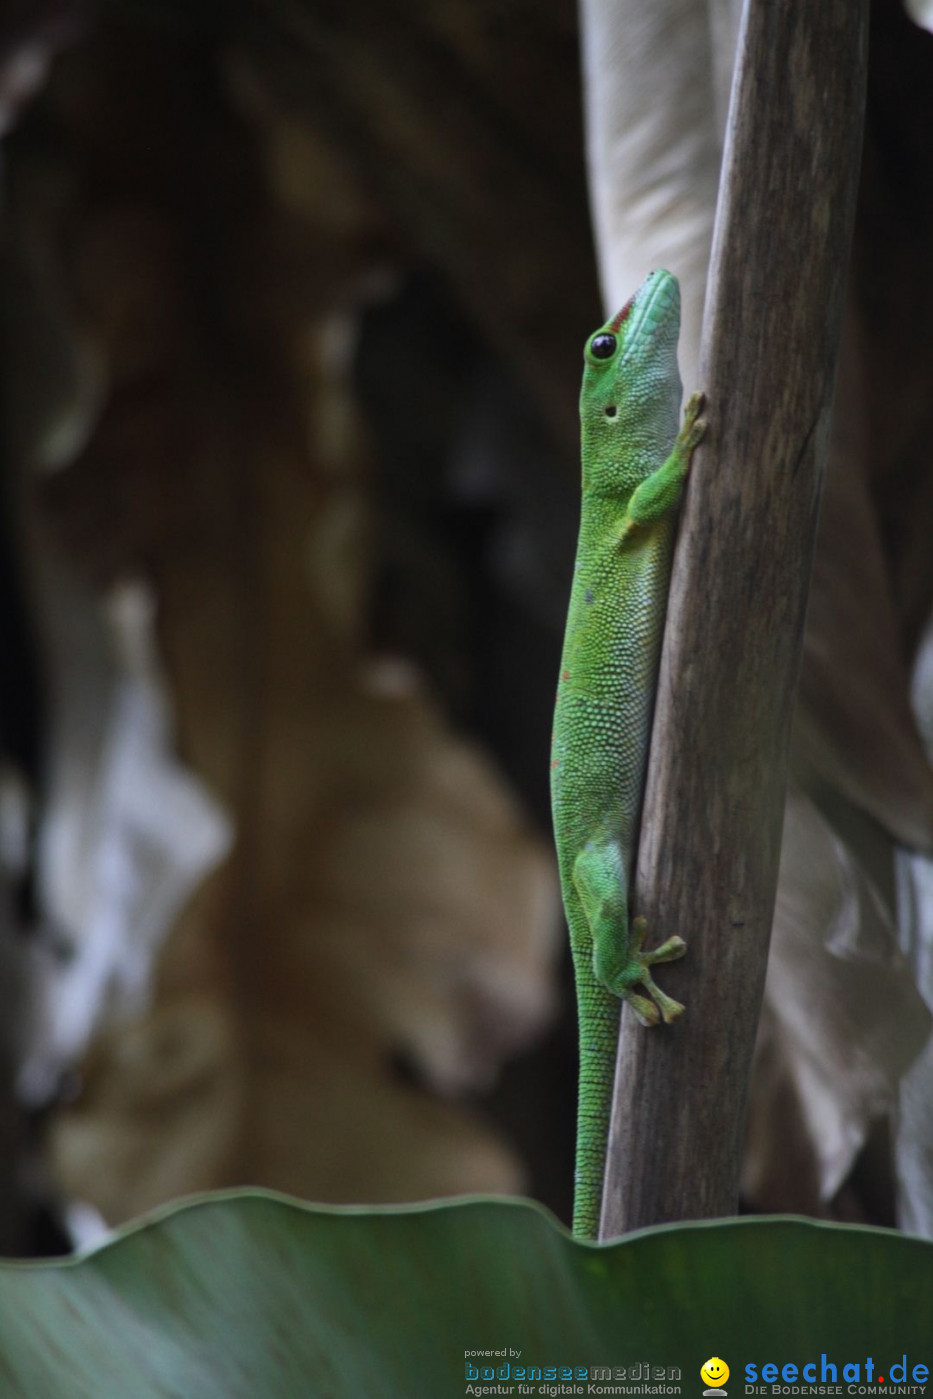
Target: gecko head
pixel 631 384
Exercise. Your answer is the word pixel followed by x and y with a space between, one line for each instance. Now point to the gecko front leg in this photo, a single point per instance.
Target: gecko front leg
pixel 659 493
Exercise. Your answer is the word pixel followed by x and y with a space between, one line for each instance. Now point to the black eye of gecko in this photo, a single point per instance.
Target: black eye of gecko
pixel 603 346
pixel 611 412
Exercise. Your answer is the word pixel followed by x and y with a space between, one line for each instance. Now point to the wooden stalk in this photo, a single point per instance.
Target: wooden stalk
pixel 708 856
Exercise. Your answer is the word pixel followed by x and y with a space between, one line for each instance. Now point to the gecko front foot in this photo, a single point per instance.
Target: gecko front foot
pixel 694 425
pixel 658 494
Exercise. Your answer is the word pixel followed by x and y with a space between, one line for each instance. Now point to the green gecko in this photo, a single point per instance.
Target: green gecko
pixel 634 466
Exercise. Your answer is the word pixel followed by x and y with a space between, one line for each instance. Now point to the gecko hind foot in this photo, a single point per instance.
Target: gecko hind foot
pixel 665 1007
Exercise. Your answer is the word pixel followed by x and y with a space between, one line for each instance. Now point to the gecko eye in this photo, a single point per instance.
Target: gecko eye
pixel 611 411
pixel 603 346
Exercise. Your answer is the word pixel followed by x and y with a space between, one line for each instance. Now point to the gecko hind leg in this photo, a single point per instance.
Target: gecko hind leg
pixel 619 960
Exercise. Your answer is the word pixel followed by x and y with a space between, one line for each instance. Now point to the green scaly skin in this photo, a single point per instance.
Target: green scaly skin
pixel 634 465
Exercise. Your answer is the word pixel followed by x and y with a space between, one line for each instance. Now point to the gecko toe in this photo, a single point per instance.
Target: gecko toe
pixel 669 951
pixel 645 1012
pixel 670 1009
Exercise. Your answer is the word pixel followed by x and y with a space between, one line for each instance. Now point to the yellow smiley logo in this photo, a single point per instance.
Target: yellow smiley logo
pixel 715 1372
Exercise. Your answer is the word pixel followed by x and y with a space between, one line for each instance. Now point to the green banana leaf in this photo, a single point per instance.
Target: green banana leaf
pixel 251 1294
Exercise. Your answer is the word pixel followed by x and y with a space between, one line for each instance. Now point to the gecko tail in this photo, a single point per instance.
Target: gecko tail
pixel 599 1033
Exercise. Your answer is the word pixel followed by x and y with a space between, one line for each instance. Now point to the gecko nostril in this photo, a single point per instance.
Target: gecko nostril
pixel 611 412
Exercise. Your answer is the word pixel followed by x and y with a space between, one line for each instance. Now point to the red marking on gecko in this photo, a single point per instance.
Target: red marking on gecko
pixel 555 764
pixel 623 315
pixel 565 675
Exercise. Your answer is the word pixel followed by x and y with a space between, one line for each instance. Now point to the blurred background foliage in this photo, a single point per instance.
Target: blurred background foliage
pixel 293 294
